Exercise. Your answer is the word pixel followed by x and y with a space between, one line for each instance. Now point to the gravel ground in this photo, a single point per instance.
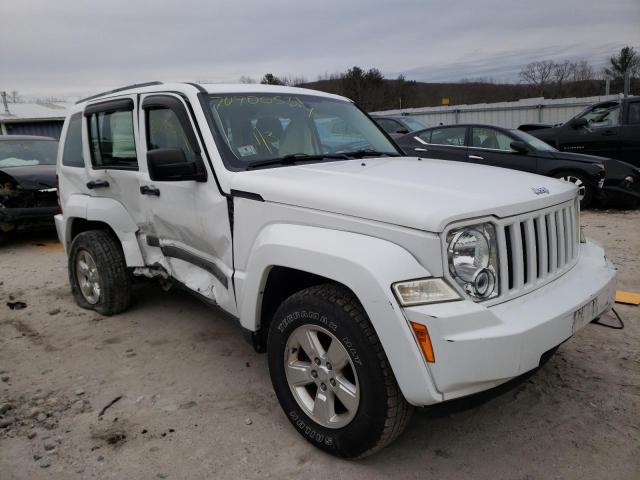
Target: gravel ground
pixel 170 390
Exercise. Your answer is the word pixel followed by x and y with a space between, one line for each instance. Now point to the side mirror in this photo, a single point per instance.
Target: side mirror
pixel 579 122
pixel 402 131
pixel 171 165
pixel 520 147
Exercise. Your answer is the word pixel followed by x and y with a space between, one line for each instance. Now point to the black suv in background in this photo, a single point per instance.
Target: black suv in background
pixel 609 129
pixel 597 178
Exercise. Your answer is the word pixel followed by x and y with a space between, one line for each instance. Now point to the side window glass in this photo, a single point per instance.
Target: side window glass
pixel 72 153
pixel 425 136
pixel 448 136
pixel 606 115
pixel 164 130
pixel 634 113
pixel 388 126
pixel 490 138
pixel 111 139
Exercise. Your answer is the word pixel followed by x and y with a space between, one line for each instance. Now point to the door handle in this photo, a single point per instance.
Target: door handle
pixel 97 184
pixel 146 190
pixel 418 149
pixel 475 157
pixel 609 133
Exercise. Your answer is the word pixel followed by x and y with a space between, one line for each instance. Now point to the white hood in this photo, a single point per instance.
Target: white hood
pixel 424 194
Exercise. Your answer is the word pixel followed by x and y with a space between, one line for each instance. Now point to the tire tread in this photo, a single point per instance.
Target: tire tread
pixel 399 411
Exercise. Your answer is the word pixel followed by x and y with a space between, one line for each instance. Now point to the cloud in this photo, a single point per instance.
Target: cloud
pixel 76 47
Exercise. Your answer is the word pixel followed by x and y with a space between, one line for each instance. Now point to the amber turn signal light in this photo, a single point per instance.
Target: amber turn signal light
pixel 422 334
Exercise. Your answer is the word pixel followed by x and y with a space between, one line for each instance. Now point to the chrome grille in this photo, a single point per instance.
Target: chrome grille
pixel 537 247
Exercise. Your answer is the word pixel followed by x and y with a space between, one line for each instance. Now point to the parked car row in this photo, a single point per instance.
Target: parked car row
pixel 598 179
pixel 574 151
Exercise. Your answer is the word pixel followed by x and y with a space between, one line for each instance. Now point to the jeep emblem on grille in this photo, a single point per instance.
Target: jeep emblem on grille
pixel 540 190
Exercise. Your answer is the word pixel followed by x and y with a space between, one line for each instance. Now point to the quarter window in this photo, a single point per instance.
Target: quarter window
pixel 448 136
pixel 389 126
pixel 425 136
pixel 112 140
pixel 72 153
pixel 490 138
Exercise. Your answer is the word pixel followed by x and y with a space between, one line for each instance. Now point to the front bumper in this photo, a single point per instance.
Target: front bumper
pixel 10 215
pixel 479 347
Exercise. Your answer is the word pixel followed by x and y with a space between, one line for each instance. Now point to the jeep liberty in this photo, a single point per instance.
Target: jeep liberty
pixel 375 282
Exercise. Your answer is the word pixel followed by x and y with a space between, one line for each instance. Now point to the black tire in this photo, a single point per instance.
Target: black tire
pixel 114 280
pixel 382 413
pixel 589 189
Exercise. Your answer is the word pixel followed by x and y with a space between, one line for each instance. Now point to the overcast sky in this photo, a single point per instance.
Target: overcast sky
pixel 80 46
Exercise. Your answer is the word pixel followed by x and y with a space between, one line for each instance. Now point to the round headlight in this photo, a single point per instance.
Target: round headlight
pixel 469 253
pixel 483 284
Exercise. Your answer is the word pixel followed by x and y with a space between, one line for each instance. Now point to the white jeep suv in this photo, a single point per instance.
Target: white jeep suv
pixel 375 282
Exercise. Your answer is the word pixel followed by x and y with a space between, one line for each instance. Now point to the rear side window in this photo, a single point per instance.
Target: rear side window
pixel 112 140
pixel 448 136
pixel 72 154
pixel 389 126
pixel 425 136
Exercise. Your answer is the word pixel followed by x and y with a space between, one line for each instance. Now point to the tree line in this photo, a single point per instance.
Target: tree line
pixel 546 78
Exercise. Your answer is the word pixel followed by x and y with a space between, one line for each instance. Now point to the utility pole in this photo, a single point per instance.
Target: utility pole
pixel 3 94
pixel 607 86
pixel 627 82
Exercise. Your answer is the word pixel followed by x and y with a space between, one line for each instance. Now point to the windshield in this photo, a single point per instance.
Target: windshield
pixel 22 153
pixel 414 124
pixel 256 128
pixel 533 141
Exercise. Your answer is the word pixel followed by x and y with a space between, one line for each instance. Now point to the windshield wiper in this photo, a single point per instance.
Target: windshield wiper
pixel 296 157
pixel 368 152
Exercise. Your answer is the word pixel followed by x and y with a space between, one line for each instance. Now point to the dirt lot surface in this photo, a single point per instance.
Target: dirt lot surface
pixel 192 400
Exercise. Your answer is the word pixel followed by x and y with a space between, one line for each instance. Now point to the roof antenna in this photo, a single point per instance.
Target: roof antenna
pixel 4 101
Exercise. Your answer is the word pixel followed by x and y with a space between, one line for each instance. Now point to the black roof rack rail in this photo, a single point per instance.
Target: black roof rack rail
pixel 121 89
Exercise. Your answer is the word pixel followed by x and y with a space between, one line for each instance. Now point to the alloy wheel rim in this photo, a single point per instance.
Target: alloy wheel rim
pixel 87 275
pixel 578 183
pixel 321 376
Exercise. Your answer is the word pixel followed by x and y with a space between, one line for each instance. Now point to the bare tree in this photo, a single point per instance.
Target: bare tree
pixel 561 73
pixel 294 81
pixel 246 79
pixel 14 96
pixel 582 71
pixel 538 74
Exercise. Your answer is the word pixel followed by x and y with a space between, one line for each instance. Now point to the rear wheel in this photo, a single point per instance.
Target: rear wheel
pixel 331 375
pixel 585 187
pixel 98 273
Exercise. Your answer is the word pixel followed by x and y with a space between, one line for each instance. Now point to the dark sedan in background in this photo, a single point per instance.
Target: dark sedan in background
pixel 597 178
pixel 28 186
pixel 398 125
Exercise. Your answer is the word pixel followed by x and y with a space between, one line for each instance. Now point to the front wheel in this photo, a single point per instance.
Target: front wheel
pixel 585 187
pixel 331 375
